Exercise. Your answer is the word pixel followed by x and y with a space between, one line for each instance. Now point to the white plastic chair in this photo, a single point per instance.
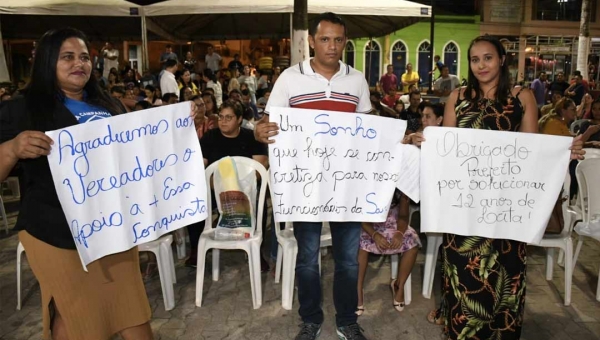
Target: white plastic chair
pixel 287 251
pixel 20 251
pixel 588 177
pixel 592 153
pixel 434 241
pixel 3 215
pixel 180 239
pixel 166 267
pixel 562 241
pixel 250 245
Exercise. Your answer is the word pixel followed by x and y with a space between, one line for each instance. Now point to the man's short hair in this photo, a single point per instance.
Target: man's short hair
pixel 329 17
pixel 444 67
pixel 168 46
pixel 170 63
pixel 389 65
pixel 413 93
pixel 245 92
pixel 118 89
pixel 235 91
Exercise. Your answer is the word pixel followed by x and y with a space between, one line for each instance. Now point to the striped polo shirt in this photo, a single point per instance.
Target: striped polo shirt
pixel 301 87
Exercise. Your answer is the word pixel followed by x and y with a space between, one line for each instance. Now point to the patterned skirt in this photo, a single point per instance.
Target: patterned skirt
pixel 483 293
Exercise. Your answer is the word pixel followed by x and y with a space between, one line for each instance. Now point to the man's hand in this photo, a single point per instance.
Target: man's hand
pixel 265 129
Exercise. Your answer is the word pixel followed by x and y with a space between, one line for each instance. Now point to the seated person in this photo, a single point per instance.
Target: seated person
pixel 170 98
pixel 432 115
pixel 229 139
pixel 261 103
pixel 391 97
pixel 247 101
pixel 411 114
pixel 556 96
pixel 394 236
pixel 592 124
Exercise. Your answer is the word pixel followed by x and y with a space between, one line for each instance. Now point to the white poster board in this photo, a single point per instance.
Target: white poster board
pixel 129 179
pixel 490 183
pixel 333 166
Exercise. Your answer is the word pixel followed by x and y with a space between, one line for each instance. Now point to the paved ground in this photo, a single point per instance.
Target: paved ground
pixel 227 311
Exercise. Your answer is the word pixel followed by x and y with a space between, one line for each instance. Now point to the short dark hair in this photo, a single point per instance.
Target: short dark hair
pixel 208 73
pixel 143 104
pixel 329 17
pixel 235 91
pixel 167 96
pixel 170 63
pixel 245 92
pixel 118 89
pixel 438 109
pixel 150 88
pixel 234 105
pixel 413 93
pixel 444 67
pixel 168 46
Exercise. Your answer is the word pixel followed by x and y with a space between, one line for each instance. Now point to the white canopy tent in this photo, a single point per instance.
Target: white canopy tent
pixel 187 20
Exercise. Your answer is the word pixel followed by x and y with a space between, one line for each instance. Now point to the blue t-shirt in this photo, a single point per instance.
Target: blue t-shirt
pixel 85 112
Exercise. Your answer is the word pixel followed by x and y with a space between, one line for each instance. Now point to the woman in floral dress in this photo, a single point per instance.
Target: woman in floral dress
pixel 394 236
pixel 484 279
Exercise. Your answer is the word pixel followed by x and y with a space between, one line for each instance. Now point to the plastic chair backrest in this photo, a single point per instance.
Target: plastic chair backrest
pixel 592 153
pixel 588 178
pixel 565 204
pixel 240 163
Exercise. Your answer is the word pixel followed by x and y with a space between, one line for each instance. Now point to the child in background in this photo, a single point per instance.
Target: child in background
pixel 394 236
pixel 438 64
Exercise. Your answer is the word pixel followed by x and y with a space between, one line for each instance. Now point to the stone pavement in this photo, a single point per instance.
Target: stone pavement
pixel 227 310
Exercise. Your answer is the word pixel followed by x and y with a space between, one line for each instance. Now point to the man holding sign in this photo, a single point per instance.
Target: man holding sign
pixel 323 83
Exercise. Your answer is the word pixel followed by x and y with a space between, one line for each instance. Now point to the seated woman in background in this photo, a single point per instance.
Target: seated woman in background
pixel 399 107
pixel 590 122
pixel 185 93
pixel 230 139
pixel 202 121
pixel 151 96
pixel 394 236
pixel 186 80
pixel 433 115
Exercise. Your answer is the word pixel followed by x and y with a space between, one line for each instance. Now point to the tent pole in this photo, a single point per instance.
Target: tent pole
pixel 370 59
pixel 431 48
pixel 145 61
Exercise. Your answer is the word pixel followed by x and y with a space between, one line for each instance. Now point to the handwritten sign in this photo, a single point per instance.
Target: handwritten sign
pixel 333 166
pixel 128 179
pixel 489 183
pixel 410 172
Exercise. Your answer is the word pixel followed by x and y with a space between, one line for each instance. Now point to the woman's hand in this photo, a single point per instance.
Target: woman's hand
pixel 380 241
pixel 31 144
pixel 576 148
pixel 414 138
pixel 193 110
pixel 397 240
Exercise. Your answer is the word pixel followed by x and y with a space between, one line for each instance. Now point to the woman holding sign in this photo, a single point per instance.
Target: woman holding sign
pixel 110 298
pixel 484 279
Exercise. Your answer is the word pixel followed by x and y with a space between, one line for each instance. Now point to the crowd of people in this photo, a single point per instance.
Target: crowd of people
pixel 231 120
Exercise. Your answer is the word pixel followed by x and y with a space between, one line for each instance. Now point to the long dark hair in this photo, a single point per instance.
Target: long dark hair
pixel 43 92
pixel 503 89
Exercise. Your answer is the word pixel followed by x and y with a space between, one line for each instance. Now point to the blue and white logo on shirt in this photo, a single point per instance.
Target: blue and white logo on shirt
pixel 85 112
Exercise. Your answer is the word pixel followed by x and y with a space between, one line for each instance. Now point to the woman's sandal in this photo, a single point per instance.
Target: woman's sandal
pixel 435 317
pixel 399 306
pixel 361 309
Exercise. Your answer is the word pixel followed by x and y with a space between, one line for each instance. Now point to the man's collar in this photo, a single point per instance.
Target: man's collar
pixel 306 68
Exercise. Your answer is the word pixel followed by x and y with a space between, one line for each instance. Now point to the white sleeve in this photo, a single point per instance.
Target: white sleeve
pixel 364 99
pixel 280 96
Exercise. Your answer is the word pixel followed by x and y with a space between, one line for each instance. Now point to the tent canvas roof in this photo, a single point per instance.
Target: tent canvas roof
pixel 199 20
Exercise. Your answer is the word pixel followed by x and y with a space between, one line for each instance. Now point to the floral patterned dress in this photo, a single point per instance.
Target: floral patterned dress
pixel 388 229
pixel 483 293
